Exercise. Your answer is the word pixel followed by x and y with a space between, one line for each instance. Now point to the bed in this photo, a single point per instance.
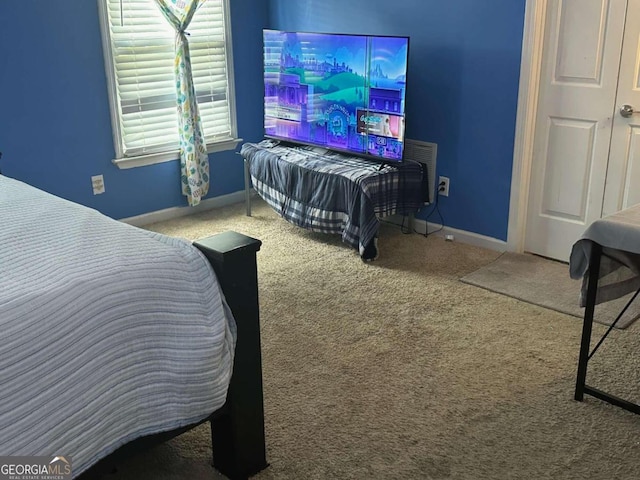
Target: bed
pixel 329 192
pixel 114 337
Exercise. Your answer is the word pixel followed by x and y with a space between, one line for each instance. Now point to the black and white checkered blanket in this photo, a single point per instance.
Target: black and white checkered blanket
pixel 329 192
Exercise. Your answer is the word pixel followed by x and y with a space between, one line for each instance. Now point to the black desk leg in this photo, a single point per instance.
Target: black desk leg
pixel 587 326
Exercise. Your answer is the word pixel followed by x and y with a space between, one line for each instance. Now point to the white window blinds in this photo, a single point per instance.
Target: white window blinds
pixel 141 54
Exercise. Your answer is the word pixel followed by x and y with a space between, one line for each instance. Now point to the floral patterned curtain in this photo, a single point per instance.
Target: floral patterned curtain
pixel 194 161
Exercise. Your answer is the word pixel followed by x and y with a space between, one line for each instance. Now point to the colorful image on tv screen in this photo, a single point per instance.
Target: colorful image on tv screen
pixel 342 92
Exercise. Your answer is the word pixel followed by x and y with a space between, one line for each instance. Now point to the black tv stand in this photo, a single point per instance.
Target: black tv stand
pixel 330 192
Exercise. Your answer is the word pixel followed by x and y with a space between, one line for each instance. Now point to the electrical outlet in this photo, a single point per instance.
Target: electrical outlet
pixel 443 186
pixel 97 181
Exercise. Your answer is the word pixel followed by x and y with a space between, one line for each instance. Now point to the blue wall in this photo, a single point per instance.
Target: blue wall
pixel 462 88
pixel 55 126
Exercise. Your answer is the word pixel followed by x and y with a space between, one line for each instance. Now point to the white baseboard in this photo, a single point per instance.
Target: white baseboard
pixel 462 236
pixel 420 225
pixel 175 212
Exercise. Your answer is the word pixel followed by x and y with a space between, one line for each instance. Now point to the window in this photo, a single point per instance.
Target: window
pixel 139 46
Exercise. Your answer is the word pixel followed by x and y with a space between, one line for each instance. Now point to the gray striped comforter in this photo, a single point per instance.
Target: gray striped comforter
pixel 107 332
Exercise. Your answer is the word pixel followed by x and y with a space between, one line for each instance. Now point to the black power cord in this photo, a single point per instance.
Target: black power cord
pixel 434 208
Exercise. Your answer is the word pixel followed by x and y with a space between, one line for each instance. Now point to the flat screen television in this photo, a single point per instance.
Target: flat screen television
pixel 338 91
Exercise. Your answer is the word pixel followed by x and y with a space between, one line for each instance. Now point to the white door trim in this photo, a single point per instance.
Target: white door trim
pixel 530 67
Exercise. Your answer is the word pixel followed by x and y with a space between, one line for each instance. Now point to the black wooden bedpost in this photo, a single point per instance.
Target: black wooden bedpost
pixel 238 431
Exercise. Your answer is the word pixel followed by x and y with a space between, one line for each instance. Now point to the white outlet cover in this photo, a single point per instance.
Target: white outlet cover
pixel 97 181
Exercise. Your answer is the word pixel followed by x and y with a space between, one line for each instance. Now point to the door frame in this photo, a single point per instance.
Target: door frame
pixel 528 95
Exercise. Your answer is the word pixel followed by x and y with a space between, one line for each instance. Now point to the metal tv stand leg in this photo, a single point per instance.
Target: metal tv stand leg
pixel 247 187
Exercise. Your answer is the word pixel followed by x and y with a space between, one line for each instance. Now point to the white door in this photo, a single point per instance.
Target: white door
pixel 622 187
pixel 576 114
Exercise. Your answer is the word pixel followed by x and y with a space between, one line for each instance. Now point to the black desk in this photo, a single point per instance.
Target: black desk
pixel 607 258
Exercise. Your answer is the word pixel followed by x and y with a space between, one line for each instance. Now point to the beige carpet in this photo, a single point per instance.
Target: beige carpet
pixel 397 370
pixel 546 283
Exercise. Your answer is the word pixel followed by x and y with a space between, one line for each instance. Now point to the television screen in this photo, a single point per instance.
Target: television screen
pixel 341 92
